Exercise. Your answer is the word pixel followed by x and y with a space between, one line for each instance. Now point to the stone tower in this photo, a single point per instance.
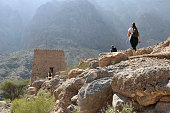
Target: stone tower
pixel 45 61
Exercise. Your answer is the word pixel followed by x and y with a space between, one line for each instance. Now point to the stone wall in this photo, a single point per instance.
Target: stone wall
pixel 46 59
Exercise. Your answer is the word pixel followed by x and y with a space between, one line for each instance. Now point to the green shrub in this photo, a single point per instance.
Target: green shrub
pixel 112 62
pixel 43 103
pixel 126 108
pixel 13 89
pixel 76 110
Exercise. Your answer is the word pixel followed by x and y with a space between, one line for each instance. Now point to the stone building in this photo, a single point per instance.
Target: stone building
pixel 45 61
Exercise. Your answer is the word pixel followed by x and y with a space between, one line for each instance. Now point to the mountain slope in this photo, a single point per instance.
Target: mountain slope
pixel 151 17
pixel 10 29
pixel 76 20
pixel 18 65
pixel 153 29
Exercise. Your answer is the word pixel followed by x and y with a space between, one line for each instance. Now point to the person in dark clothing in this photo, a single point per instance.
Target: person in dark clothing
pixel 113 49
pixel 50 75
pixel 134 36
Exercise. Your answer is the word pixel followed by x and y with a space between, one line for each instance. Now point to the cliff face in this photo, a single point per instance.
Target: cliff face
pixel 142 80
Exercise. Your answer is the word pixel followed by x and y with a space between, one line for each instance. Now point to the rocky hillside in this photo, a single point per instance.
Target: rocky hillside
pixel 16 65
pixel 115 79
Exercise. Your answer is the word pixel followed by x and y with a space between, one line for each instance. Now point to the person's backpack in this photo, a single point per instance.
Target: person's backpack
pixel 135 32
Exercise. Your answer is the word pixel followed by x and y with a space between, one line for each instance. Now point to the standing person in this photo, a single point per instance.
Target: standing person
pixel 50 75
pixel 133 34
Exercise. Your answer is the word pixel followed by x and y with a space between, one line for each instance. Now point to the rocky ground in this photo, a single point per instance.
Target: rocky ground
pixel 4 107
pixel 114 79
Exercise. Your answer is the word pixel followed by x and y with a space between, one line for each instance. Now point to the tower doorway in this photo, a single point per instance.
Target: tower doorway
pixel 51 69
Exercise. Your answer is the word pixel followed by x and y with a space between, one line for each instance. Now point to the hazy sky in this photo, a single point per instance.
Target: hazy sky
pixel 26 8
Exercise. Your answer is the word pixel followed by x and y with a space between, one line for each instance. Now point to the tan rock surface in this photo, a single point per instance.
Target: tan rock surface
pixel 65 92
pixel 143 79
pixel 156 49
pixel 106 59
pixel 165 99
pixel 86 61
pixel 75 72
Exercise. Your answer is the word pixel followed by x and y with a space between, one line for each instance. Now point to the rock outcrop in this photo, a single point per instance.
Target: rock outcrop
pixel 75 72
pixel 37 84
pixel 65 92
pixel 93 96
pixel 93 64
pixel 162 47
pixel 156 49
pixel 86 61
pixel 144 79
pixel 51 85
pixel 106 59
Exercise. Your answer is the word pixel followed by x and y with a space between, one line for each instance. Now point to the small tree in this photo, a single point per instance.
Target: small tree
pixel 12 89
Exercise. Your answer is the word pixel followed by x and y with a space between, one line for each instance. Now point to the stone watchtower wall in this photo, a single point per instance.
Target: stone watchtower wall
pixel 46 59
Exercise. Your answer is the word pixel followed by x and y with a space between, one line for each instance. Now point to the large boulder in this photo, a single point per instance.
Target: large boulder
pixel 51 85
pixel 106 59
pixel 37 84
pixel 75 72
pixel 93 96
pixel 93 64
pixel 65 92
pixel 95 74
pixel 55 81
pixel 146 80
